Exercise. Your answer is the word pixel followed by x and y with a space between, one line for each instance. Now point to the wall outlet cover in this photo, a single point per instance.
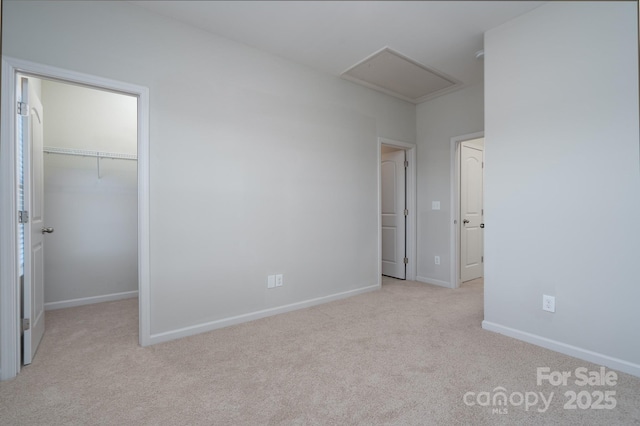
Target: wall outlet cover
pixel 548 303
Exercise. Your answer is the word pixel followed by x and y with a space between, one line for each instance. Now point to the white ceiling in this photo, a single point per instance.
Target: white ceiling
pixel 332 36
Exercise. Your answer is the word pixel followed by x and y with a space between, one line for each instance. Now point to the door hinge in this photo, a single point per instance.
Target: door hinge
pixel 23 216
pixel 483 164
pixel 406 164
pixel 26 324
pixel 406 212
pixel 23 108
pixel 406 261
pixel 482 259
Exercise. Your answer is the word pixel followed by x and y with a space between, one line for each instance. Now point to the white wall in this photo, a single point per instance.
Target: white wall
pixel 258 165
pixel 93 251
pixel 439 120
pixel 84 118
pixel 563 181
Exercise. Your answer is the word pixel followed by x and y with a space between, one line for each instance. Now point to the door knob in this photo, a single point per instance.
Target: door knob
pixel 465 221
pixel 482 225
pixel 47 230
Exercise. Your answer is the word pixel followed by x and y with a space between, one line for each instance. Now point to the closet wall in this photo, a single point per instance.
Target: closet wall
pixel 92 255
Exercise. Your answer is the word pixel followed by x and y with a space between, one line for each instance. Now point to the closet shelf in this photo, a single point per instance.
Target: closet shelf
pixel 86 153
pixel 98 155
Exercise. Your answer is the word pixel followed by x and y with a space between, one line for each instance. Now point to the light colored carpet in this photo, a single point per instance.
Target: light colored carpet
pixel 404 355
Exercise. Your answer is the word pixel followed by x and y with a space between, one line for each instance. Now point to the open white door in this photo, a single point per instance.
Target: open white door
pixel 34 230
pixel 393 181
pixel 471 210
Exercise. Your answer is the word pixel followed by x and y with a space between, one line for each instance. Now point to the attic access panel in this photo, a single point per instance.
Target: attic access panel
pixel 394 74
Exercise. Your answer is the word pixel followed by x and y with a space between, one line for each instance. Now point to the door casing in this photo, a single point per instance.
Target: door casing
pixel 9 276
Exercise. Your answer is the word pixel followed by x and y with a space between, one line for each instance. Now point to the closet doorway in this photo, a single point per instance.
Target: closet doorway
pixel 82 179
pixel 13 320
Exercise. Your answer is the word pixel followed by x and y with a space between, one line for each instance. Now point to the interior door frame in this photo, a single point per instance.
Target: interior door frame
pixel 10 361
pixel 455 204
pixel 410 189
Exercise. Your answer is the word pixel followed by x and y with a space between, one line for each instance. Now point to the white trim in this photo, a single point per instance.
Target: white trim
pixel 144 274
pixel 433 281
pixel 9 302
pixel 454 242
pixel 563 348
pixel 379 197
pixel 411 229
pixel 51 306
pixel 238 319
pixel 9 279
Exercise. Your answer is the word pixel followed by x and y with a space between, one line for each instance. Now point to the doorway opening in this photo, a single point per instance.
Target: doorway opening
pixel 467 207
pixel 68 157
pixel 81 191
pixel 396 182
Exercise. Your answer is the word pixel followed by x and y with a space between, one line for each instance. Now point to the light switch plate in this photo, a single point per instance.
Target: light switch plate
pixel 271 281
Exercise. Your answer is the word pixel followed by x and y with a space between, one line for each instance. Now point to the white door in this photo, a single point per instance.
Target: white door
pixel 471 210
pixel 392 175
pixel 33 301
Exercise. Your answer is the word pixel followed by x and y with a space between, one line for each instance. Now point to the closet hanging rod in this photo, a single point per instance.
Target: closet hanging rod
pixel 87 153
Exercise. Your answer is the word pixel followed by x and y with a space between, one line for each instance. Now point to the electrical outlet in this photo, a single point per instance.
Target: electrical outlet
pixel 548 303
pixel 279 280
pixel 437 260
pixel 435 205
pixel 271 281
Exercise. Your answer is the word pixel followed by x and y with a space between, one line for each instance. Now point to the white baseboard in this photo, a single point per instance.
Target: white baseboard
pixel 89 300
pixel 433 281
pixel 574 351
pixel 225 322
